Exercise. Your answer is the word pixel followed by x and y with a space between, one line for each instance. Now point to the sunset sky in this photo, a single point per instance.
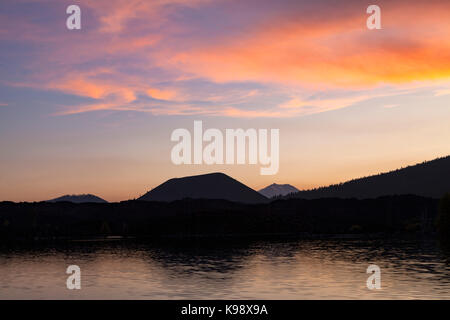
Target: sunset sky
pixel 92 110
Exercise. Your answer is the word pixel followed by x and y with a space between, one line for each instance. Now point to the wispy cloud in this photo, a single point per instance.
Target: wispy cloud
pixel 132 51
pixel 441 92
pixel 389 106
pixel 335 52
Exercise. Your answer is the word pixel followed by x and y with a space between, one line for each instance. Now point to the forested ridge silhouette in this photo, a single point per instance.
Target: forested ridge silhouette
pixel 427 179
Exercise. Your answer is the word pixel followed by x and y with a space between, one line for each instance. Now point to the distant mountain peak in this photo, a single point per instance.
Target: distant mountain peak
pixel 214 185
pixel 79 198
pixel 277 190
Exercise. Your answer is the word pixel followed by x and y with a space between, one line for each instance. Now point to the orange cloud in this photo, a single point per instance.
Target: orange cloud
pixel 334 52
pixel 95 89
pixel 292 49
pixel 162 94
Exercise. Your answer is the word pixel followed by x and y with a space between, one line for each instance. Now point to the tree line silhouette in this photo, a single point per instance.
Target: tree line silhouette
pixel 428 179
pixel 387 216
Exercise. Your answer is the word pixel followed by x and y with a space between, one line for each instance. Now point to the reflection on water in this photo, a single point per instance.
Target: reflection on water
pixel 313 269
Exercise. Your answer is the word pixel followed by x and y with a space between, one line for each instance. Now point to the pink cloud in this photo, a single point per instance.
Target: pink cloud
pixel 133 49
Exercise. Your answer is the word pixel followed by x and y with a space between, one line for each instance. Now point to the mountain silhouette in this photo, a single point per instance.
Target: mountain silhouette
pixel 207 186
pixel 277 190
pixel 428 179
pixel 80 198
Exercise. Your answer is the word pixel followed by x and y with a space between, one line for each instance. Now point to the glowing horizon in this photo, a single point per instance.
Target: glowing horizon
pixel 91 110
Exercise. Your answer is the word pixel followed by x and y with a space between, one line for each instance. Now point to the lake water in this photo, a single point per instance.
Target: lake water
pixel 300 269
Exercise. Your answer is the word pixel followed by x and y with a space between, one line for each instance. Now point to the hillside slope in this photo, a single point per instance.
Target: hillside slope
pixel 428 179
pixel 207 186
pixel 81 198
